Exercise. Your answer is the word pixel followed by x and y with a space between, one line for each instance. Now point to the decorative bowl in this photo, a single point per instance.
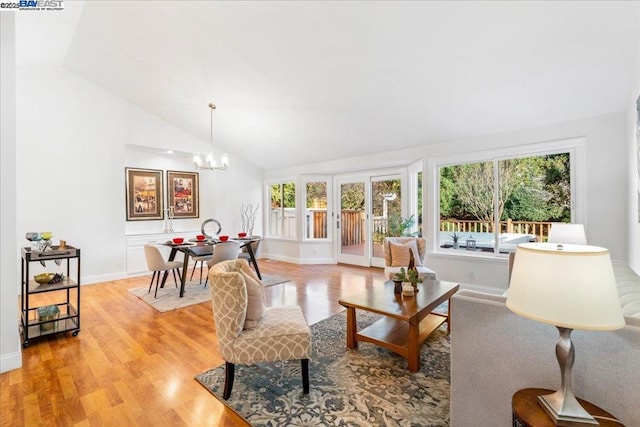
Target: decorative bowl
pixel 178 240
pixel 223 238
pixel 43 278
pixel 201 237
pixel 241 235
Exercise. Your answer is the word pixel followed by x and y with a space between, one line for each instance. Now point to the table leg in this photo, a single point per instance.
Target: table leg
pixel 183 276
pixel 252 257
pixel 172 256
pixel 413 348
pixel 351 328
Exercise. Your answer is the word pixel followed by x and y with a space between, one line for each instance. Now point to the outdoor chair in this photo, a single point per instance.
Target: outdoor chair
pixel 248 332
pixel 157 264
pixel 397 252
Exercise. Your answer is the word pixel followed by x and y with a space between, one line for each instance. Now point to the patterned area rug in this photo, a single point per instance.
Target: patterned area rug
pixel 273 279
pixel 370 386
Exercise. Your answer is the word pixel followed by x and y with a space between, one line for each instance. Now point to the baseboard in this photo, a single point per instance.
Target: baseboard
pixel 310 261
pixel 99 278
pixel 280 258
pixel 10 361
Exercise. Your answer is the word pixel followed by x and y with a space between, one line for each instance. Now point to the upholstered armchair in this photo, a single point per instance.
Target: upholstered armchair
pixel 397 255
pixel 249 332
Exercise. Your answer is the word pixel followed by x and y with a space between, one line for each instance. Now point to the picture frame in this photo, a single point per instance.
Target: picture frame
pixel 144 198
pixel 183 190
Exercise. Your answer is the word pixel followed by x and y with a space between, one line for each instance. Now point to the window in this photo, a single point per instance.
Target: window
pixel 316 219
pixel 495 204
pixel 282 213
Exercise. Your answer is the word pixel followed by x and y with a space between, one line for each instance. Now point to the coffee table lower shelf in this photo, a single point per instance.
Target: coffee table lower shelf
pixel 393 334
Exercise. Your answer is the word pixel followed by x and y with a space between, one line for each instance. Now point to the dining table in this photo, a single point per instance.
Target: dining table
pixel 195 248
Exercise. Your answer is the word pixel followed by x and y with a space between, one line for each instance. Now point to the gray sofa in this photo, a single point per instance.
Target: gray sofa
pixel 495 352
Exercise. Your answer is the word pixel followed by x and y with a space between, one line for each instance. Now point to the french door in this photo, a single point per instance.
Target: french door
pixel 369 209
pixel 352 225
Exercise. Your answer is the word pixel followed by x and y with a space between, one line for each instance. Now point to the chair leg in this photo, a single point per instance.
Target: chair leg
pixel 194 269
pixel 155 295
pixel 229 370
pixel 305 375
pixel 151 283
pixel 175 280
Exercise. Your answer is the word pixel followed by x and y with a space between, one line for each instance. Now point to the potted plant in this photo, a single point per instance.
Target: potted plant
pixel 410 275
pixel 455 237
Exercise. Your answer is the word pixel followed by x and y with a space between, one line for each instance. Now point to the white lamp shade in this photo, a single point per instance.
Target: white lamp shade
pixel 562 232
pixel 572 287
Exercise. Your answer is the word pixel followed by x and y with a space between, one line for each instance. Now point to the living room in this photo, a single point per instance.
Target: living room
pixel 67 135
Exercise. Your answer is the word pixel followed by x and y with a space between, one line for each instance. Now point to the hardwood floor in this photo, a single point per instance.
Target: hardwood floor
pixel 131 365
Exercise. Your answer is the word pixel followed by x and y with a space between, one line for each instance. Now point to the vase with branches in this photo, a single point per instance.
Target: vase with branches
pixel 248 217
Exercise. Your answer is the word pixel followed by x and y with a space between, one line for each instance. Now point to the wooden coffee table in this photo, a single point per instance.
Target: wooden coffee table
pixel 407 321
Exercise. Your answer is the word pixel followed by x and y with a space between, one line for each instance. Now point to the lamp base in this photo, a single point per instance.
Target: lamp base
pixel 566 412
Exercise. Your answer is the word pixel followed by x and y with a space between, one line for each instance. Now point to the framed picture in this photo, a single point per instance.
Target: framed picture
pixel 182 190
pixel 144 194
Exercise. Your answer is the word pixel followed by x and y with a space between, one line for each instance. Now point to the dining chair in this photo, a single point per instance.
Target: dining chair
pixel 199 259
pixel 224 251
pixel 157 264
pixel 247 331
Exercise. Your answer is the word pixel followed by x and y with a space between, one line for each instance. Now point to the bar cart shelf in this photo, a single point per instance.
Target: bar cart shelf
pixel 60 314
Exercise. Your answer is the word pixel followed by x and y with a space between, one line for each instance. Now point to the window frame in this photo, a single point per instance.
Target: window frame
pixel 577 161
pixel 267 189
pixel 303 207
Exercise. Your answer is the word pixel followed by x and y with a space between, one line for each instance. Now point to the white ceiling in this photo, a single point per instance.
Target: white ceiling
pixel 303 82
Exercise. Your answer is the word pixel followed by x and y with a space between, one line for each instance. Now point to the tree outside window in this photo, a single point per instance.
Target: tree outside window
pixel 530 194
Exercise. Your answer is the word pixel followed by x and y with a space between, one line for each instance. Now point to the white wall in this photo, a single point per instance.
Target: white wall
pixel 606 187
pixel 10 355
pixel 71 155
pixel 634 167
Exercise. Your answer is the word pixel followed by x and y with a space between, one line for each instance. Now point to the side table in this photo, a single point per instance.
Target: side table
pixel 528 413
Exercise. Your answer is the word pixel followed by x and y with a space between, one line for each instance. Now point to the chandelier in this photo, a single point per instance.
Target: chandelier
pixel 210 163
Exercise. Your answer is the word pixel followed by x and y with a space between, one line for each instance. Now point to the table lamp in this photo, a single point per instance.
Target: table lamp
pixel 563 232
pixel 571 287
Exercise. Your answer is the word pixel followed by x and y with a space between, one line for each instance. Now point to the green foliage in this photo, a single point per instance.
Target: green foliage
pixel 398 226
pixel 352 196
pixel 534 188
pixel 283 195
pixel 411 276
pixel 316 194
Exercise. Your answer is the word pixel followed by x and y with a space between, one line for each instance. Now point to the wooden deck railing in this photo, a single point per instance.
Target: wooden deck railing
pixel 352 230
pixel 537 228
pixel 317 223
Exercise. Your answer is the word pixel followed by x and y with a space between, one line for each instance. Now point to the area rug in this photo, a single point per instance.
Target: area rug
pixel 273 279
pixel 194 293
pixel 169 296
pixel 369 386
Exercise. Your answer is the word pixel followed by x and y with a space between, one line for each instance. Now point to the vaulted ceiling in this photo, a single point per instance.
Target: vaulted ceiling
pixel 303 82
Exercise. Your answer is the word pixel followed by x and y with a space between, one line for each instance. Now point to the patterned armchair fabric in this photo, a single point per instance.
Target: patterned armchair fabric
pixel 390 269
pixel 281 334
